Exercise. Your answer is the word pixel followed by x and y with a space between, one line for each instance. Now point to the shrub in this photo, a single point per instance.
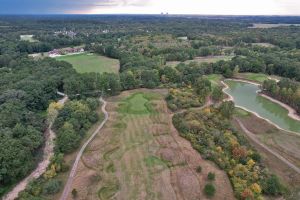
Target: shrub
pixel 211 176
pixel 209 190
pixel 199 169
pixel 52 186
pixel 272 186
pixel 74 193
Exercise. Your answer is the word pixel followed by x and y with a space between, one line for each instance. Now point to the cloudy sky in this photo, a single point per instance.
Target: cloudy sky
pixel 226 7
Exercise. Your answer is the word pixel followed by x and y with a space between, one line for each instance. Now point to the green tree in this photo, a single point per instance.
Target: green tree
pixel 217 94
pixel 227 109
pixel 150 78
pixel 203 87
pixel 128 80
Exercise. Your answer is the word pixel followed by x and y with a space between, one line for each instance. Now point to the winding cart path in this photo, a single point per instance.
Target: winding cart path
pixel 79 155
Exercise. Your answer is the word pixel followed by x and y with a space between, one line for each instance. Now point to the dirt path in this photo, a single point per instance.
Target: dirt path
pixel 42 166
pixel 254 139
pixel 78 157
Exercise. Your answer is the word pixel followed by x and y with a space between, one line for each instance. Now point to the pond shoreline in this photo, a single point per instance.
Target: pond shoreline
pixel 230 98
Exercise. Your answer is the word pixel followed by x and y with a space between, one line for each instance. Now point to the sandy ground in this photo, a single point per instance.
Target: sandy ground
pixel 143 157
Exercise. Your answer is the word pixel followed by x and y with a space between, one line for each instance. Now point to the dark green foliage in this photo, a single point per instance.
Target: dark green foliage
pixel 217 94
pixel 272 186
pixel 73 121
pixel 53 186
pixel 129 81
pixel 286 90
pixel 227 109
pixel 199 169
pixel 25 92
pixel 150 78
pixel 209 190
pixel 211 176
pixel 203 87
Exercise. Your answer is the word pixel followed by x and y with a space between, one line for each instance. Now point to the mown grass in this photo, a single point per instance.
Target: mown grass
pixel 240 112
pixel 138 103
pixel 256 77
pixel 215 79
pixel 85 63
pixel 107 192
pixel 152 161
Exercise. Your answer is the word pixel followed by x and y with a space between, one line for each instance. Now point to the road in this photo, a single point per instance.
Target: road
pixel 68 185
pixel 254 139
pixel 42 166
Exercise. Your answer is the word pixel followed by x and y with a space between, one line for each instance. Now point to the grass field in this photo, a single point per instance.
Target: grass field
pixel 256 77
pixel 28 38
pixel 208 59
pixel 86 62
pixel 215 79
pixel 139 155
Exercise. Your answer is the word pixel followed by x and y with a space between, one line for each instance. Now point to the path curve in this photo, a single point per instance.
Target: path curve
pixel 254 139
pixel 78 157
pixel 42 166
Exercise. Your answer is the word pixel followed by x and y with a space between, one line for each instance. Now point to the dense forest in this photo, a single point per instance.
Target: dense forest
pixel 144 45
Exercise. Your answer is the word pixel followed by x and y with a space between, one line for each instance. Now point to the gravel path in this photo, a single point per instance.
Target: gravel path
pixel 78 157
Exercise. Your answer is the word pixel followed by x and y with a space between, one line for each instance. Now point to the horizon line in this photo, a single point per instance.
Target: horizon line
pixel 153 14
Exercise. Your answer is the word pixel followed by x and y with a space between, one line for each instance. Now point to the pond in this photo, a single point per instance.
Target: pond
pixel 245 96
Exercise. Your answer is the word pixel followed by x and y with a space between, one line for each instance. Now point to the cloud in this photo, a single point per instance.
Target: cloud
pixel 283 7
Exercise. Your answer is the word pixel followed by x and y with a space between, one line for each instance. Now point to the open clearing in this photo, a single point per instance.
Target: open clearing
pixel 86 62
pixel 256 77
pixel 28 38
pixel 259 25
pixel 284 143
pixel 139 155
pixel 208 59
pixel 215 79
pixel 263 44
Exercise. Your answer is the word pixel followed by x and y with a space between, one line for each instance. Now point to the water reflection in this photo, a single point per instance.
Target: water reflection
pixel 245 95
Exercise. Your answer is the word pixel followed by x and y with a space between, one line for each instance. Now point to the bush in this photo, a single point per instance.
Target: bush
pixel 211 176
pixel 272 186
pixel 209 190
pixel 74 193
pixel 53 186
pixel 199 169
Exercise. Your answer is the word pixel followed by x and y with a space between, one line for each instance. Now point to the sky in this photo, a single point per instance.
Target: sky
pixel 204 7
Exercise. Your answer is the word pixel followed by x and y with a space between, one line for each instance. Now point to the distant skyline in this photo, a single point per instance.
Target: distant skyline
pixel 204 7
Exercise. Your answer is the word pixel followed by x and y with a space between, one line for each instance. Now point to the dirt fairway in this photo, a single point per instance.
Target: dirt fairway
pixel 139 155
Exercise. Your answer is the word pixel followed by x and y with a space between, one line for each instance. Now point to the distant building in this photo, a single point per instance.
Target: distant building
pixel 65 51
